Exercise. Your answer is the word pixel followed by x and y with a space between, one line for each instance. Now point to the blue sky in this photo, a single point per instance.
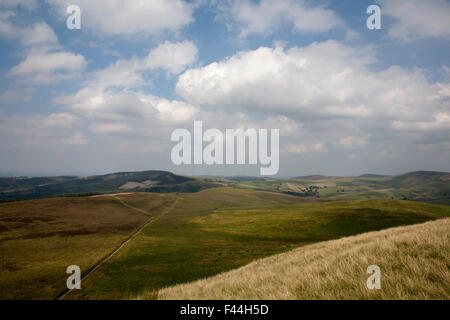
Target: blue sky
pixel 347 100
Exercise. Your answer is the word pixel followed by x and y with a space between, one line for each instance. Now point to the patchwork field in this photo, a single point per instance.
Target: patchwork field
pixel 424 186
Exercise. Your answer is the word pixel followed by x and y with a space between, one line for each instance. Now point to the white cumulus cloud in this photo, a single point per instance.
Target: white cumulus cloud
pixel 326 80
pixel 39 34
pixel 417 19
pixel 174 57
pixel 49 62
pixel 265 16
pixel 128 17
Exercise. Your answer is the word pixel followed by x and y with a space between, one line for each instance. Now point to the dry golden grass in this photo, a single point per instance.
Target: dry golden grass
pixel 414 262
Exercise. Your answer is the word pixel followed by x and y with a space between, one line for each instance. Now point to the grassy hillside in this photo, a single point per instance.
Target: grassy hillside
pixel 413 262
pixel 148 181
pixel 221 229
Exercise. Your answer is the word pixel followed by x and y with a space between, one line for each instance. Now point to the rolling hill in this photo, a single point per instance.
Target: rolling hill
pixel 423 186
pixel 413 261
pixel 145 181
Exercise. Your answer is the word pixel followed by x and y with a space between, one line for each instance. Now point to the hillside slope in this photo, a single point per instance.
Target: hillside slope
pixel 413 261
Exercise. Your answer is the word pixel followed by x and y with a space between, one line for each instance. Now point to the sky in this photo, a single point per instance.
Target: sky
pixel 107 97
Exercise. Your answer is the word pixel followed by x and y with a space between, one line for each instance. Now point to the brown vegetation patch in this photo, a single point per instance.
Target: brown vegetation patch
pixel 133 185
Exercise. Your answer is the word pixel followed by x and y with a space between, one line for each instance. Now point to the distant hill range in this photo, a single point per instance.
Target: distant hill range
pixel 144 181
pixel 370 175
pixel 425 186
pixel 314 177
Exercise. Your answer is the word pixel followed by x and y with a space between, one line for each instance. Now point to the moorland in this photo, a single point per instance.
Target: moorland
pixel 136 234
